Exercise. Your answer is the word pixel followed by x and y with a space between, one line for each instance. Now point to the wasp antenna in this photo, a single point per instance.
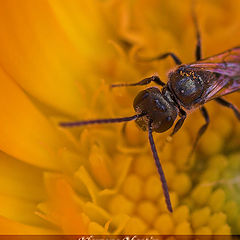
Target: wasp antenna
pixel 159 168
pixel 100 121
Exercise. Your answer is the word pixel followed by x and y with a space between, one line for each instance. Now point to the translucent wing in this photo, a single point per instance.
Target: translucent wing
pixel 225 69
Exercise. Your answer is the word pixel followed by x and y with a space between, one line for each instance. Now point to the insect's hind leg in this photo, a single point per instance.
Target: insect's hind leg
pixel 198 51
pixel 201 131
pixel 143 82
pixel 225 103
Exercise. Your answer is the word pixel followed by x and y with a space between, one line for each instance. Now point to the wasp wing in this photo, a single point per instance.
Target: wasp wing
pixel 225 69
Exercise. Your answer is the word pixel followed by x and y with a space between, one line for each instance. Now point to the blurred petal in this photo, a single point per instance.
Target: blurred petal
pixel 37 54
pixel 11 227
pixel 17 179
pixel 25 133
pixel 63 207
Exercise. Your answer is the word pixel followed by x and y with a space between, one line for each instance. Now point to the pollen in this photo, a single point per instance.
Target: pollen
pixel 201 193
pixel 152 187
pixel 134 135
pixel 234 162
pixel 219 162
pixel 147 210
pixel 120 204
pixel 223 230
pixel 170 172
pixel 203 231
pixel 231 209
pixel 181 214
pixel 164 224
pixel 200 217
pixel 132 187
pixel 135 225
pixel 144 166
pixel 217 220
pixel 181 184
pixel 214 148
pixel 183 228
pixel 217 199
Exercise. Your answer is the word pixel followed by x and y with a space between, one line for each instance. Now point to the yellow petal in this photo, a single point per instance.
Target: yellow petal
pixel 20 210
pixel 24 132
pixel 36 53
pixel 64 209
pixel 19 179
pixel 11 227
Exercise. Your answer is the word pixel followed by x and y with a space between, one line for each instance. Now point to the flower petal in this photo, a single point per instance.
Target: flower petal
pixel 11 227
pixel 24 132
pixel 36 53
pixel 64 209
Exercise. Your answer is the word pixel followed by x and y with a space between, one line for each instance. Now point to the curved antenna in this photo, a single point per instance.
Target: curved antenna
pixel 159 168
pixel 100 121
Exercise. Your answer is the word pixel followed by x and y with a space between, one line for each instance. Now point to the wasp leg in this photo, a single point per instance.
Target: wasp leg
pixel 145 81
pixel 163 56
pixel 180 122
pixel 230 105
pixel 202 130
pixel 198 51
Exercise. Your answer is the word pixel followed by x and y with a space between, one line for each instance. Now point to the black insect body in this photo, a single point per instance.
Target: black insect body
pixel 189 87
pixel 157 107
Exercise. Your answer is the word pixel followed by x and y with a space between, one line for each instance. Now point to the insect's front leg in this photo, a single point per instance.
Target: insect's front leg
pixel 180 122
pixel 161 57
pixel 143 82
pixel 225 103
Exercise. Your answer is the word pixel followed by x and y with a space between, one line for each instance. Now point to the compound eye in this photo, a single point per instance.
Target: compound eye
pixel 140 98
pixel 169 118
pixel 145 95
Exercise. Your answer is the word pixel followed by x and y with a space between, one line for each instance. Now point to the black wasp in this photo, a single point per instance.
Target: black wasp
pixel 189 87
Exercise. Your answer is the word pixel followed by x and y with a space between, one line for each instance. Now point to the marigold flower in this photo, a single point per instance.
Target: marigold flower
pixel 58 59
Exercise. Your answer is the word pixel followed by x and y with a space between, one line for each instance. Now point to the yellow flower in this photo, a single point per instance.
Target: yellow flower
pixel 58 59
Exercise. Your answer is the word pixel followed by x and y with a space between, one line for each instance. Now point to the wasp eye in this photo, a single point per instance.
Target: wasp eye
pixel 145 95
pixel 169 118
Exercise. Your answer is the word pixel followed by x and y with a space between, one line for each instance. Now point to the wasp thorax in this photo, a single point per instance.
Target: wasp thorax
pixel 187 86
pixel 156 108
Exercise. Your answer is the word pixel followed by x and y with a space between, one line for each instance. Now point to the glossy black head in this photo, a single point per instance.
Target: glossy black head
pixel 156 108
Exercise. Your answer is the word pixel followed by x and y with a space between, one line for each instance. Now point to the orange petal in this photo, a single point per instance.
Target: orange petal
pixel 11 227
pixel 19 179
pixel 36 53
pixel 64 208
pixel 24 133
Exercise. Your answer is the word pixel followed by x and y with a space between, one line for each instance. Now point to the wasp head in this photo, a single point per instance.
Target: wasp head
pixel 156 108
